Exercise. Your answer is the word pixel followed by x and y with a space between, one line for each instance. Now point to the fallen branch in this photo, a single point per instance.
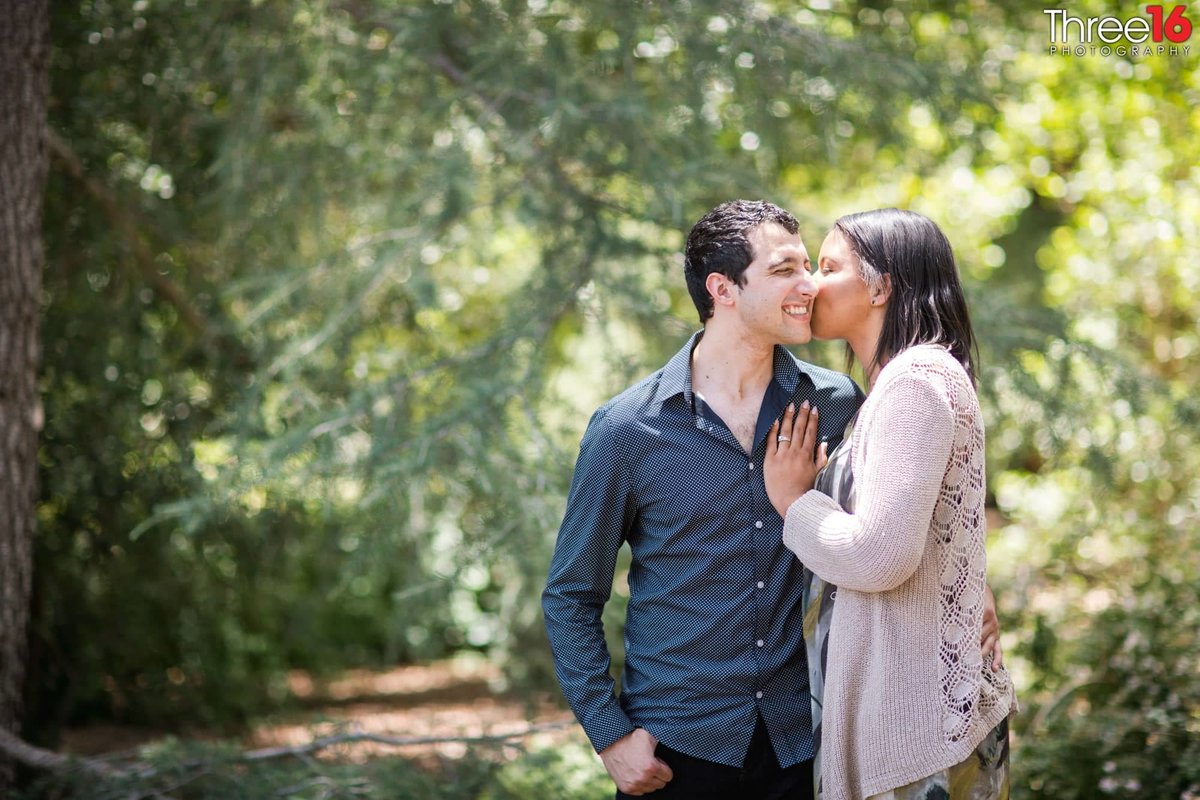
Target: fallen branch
pixel 326 742
pixel 142 776
pixel 48 760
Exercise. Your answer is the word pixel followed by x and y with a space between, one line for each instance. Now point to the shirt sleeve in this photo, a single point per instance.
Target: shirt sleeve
pixel 598 515
pixel 908 439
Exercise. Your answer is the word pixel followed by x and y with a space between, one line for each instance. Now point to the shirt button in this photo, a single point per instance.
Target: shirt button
pixel 758 695
pixel 760 584
pixel 751 465
pixel 758 523
pixel 759 643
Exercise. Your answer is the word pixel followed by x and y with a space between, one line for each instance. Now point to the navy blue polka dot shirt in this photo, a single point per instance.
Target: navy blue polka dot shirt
pixel 713 633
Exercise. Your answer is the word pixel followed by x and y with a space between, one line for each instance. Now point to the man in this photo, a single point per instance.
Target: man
pixel 714 699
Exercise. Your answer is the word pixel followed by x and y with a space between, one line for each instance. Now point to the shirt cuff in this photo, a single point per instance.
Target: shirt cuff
pixel 607 727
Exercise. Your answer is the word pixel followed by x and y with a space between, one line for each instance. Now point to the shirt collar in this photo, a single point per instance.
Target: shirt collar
pixel 676 376
pixel 787 371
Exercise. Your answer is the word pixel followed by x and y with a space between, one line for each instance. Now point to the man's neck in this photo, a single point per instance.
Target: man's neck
pixel 731 366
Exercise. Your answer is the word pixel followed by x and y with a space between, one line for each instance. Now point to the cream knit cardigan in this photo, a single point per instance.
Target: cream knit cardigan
pixel 906 692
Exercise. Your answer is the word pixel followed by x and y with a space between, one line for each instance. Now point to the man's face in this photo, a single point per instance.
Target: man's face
pixel 778 294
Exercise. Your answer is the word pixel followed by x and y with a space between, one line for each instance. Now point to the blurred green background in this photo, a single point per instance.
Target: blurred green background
pixel 332 287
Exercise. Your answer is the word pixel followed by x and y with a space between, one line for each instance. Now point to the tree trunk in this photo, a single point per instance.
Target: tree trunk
pixel 24 84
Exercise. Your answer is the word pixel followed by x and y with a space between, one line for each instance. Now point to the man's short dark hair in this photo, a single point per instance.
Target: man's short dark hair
pixel 719 243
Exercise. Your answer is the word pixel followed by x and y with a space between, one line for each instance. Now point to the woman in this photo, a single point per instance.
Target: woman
pixel 896 523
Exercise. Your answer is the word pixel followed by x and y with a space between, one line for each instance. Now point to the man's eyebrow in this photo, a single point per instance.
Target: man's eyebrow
pixel 785 260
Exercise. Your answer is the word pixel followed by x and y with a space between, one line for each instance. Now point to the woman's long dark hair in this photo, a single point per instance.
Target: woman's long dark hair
pixel 927 304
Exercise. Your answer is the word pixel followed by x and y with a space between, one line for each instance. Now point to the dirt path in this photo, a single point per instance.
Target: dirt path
pixel 453 698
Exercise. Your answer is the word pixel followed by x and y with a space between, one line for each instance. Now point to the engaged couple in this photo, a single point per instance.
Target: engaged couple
pixel 808 609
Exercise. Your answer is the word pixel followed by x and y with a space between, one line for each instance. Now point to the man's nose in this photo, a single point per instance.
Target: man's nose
pixel 807 283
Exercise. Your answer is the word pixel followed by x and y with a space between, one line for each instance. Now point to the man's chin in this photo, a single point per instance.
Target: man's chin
pixel 803 336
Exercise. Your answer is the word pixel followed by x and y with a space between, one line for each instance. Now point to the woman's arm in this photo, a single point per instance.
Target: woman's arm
pixel 908 439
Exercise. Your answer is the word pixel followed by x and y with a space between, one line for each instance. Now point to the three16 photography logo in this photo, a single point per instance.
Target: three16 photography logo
pixel 1160 31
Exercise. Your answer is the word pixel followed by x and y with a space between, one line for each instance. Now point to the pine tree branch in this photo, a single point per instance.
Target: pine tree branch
pixel 490 106
pixel 123 221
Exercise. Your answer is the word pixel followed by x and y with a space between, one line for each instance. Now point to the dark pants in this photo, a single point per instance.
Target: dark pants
pixel 759 778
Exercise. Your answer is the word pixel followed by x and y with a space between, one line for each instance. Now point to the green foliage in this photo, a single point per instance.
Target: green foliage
pixel 320 347
pixel 344 258
pixel 570 773
pixel 215 772
pixel 1127 725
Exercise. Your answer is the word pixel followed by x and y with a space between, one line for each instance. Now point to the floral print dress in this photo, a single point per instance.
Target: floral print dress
pixel 983 776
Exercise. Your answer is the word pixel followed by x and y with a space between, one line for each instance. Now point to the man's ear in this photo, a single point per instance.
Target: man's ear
pixel 720 289
pixel 883 292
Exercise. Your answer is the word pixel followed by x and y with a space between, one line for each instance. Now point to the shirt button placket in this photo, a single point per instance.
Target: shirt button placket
pixel 758 523
pixel 758 526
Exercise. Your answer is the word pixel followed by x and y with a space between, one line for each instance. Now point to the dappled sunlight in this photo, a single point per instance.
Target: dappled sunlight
pixel 331 290
pixel 444 700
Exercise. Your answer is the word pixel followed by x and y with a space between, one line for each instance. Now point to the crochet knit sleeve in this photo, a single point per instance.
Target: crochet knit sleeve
pixel 906 437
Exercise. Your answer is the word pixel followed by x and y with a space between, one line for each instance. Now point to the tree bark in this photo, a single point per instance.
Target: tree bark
pixel 24 85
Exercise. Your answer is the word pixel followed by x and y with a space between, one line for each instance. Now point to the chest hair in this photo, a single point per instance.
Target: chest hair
pixel 741 419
